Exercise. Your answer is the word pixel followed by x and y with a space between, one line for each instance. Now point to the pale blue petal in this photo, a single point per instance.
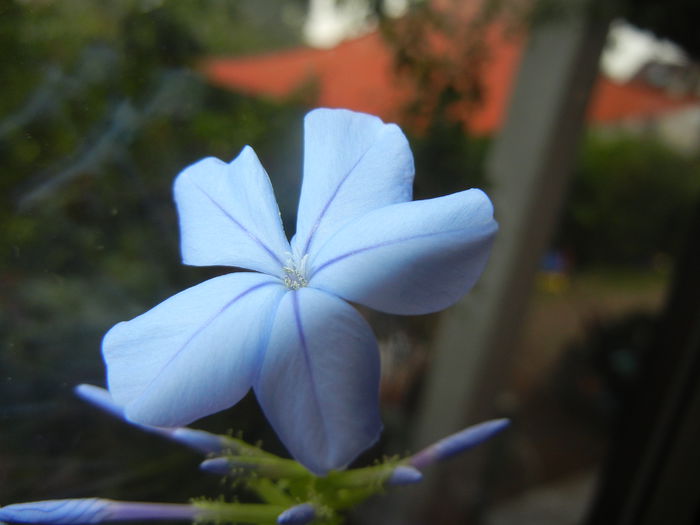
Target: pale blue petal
pixel 319 380
pixel 229 216
pixel 411 258
pixel 194 354
pixel 353 163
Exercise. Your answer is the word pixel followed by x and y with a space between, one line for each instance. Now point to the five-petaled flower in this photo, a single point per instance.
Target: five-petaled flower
pixel 285 328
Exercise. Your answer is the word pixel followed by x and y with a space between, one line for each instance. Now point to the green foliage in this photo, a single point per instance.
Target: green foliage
pixel 101 108
pixel 629 201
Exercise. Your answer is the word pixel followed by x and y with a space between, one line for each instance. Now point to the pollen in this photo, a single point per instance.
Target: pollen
pixel 295 272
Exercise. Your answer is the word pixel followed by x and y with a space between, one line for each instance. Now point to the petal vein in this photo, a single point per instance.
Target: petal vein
pixel 203 327
pixel 339 258
pixel 331 199
pixel 305 348
pixel 250 234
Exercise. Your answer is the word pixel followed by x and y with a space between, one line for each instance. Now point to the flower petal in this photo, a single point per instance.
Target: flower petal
pixel 410 258
pixel 229 216
pixel 194 354
pixel 319 380
pixel 353 163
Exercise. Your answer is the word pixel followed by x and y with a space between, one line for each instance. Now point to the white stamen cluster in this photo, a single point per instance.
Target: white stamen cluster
pixel 295 273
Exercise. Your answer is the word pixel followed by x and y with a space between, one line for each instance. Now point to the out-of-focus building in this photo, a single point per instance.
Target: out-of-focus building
pixel 662 99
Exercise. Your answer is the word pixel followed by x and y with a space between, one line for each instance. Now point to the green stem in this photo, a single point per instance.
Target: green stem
pixel 361 477
pixel 269 492
pixel 270 467
pixel 241 448
pixel 253 513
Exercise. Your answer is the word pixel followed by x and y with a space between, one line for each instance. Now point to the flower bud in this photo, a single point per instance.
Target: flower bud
pixel 297 515
pixel 404 475
pixel 459 442
pixel 94 510
pixel 198 440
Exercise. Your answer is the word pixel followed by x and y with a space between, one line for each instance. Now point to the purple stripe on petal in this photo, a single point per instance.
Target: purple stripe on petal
pixel 408 258
pixel 204 326
pixel 243 228
pixel 327 419
pixel 324 210
pixel 307 360
pixel 459 442
pixel 388 243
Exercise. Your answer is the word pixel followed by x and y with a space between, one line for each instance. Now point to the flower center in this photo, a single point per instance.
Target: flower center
pixel 295 272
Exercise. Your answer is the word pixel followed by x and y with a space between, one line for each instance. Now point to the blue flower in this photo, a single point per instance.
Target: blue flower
pixel 285 329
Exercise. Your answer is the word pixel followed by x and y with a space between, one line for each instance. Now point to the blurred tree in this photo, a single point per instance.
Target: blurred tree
pixel 102 108
pixel 629 201
pixel 440 50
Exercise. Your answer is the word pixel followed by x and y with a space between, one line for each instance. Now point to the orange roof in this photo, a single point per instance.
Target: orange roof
pixel 359 74
pixel 614 102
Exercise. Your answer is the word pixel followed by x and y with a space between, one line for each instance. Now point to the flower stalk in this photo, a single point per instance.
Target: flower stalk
pixel 268 466
pixel 289 493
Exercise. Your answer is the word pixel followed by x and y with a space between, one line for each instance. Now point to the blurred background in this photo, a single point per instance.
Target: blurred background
pixel 580 118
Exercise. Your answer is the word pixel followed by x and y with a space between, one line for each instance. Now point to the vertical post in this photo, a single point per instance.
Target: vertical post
pixel 530 165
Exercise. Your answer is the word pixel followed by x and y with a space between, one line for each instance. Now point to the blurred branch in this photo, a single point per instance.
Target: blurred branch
pixel 119 130
pixel 57 87
pixel 442 49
